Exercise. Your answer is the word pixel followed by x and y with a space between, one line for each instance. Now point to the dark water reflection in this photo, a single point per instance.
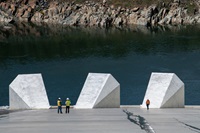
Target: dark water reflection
pixel 65 55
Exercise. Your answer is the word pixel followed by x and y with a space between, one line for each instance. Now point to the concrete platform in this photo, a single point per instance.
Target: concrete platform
pixel 127 119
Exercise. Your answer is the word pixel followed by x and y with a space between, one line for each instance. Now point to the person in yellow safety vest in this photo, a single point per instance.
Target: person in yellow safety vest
pixel 148 103
pixel 68 103
pixel 59 104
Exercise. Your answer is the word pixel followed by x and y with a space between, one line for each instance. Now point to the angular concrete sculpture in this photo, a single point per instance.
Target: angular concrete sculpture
pixel 99 91
pixel 27 91
pixel 165 90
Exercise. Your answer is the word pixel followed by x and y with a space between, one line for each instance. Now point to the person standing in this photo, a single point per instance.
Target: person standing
pixel 59 104
pixel 147 104
pixel 68 103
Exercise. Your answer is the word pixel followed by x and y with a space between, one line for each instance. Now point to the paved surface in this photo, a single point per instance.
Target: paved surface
pixel 121 120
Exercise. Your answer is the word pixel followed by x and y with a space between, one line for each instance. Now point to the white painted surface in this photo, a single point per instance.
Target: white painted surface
pixel 165 90
pixel 97 88
pixel 27 91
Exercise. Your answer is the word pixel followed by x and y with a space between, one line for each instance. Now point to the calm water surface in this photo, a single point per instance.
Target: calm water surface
pixel 65 55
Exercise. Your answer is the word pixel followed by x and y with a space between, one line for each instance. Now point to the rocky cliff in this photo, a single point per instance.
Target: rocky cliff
pixel 101 14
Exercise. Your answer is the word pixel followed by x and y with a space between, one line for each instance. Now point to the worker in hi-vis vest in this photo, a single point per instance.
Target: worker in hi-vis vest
pixel 59 104
pixel 67 103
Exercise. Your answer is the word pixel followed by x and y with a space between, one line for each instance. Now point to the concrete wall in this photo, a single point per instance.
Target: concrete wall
pixel 165 90
pixel 27 91
pixel 99 91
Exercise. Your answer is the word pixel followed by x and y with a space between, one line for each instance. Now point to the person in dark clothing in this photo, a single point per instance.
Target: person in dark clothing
pixel 147 104
pixel 68 103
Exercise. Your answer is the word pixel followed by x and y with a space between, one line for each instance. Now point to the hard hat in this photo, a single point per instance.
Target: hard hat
pixel 59 98
pixel 67 98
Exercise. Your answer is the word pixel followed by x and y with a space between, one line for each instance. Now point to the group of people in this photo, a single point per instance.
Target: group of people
pixel 67 103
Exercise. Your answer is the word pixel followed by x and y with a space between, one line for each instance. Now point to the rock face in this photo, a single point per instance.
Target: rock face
pixel 99 91
pixel 99 14
pixel 27 91
pixel 165 90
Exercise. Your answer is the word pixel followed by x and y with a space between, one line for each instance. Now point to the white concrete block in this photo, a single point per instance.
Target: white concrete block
pixel 165 90
pixel 99 91
pixel 27 91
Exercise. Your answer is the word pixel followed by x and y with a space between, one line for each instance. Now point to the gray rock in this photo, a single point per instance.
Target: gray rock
pixel 93 20
pixel 177 1
pixel 135 9
pixel 142 21
pixel 20 12
pixel 104 2
pixel 132 18
pixel 27 14
pixel 118 21
pixel 37 17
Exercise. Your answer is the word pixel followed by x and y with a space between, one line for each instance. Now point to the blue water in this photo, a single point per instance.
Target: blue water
pixel 65 56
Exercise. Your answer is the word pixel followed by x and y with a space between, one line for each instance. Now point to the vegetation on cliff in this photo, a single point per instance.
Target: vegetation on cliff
pixel 102 12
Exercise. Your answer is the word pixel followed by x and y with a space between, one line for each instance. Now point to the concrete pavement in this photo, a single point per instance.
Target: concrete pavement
pixel 127 119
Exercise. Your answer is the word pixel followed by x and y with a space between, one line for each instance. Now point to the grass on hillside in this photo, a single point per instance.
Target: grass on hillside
pixel 126 3
pixel 189 4
pixel 135 3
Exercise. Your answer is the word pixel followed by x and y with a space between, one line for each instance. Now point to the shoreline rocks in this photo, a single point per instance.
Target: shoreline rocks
pixel 96 14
